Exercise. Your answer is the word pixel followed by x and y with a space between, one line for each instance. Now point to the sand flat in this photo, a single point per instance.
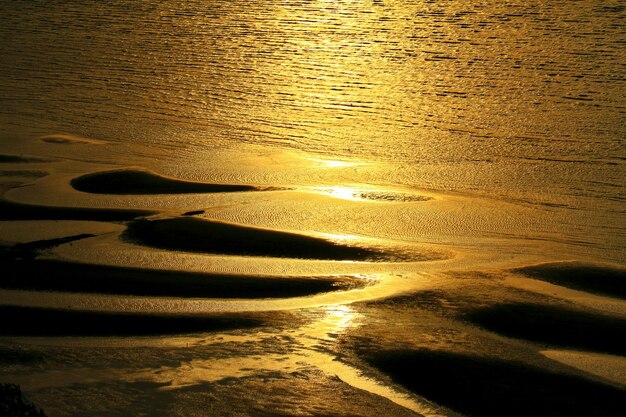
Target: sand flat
pixel 609 367
pixel 69 139
pixel 33 321
pixel 141 182
pixel 598 279
pixel 597 302
pixel 10 210
pixel 482 386
pixel 62 276
pixel 552 324
pixel 218 237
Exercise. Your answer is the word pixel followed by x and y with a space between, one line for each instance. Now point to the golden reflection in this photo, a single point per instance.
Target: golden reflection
pixel 336 319
pixel 331 163
pixel 340 238
pixel 343 193
pixel 339 317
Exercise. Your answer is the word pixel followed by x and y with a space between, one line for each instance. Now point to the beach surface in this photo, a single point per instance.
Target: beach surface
pixel 149 296
pixel 375 208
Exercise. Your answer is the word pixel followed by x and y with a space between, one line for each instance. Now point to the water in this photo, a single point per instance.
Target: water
pixel 490 132
pixel 495 98
pixel 499 97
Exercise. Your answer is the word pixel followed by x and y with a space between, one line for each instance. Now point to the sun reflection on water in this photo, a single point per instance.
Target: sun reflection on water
pixel 337 319
pixel 331 163
pixel 343 193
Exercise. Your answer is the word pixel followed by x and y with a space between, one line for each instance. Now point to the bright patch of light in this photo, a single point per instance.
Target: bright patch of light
pixel 339 238
pixel 344 193
pixel 330 163
pixel 338 318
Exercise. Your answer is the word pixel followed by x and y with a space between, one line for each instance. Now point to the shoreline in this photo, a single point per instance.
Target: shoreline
pixel 371 307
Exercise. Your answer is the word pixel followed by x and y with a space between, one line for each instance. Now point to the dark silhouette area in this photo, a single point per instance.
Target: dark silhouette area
pixel 601 280
pixel 33 321
pixel 553 325
pixel 52 275
pixel 133 181
pixel 19 159
pixel 13 403
pixel 10 210
pixel 485 387
pixel 29 250
pixel 209 236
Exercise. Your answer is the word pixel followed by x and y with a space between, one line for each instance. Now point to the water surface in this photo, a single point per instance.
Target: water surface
pixel 469 139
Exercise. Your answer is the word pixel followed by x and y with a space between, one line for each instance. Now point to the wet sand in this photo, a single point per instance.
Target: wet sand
pixel 84 278
pixel 138 182
pixel 597 279
pixel 482 386
pixel 449 339
pixel 53 323
pixel 20 159
pixel 302 209
pixel 478 347
pixel 10 210
pixel 202 235
pixel 554 325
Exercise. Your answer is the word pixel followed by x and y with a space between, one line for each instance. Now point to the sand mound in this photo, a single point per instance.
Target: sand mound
pixel 29 321
pixel 558 326
pixel 50 275
pixel 133 181
pixel 209 236
pixel 18 159
pixel 482 386
pixel 10 210
pixel 592 278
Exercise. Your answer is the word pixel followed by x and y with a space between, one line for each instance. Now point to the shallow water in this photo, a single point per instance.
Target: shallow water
pixel 465 138
pixel 464 95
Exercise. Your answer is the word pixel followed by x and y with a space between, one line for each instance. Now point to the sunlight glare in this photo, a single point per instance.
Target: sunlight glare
pixel 331 163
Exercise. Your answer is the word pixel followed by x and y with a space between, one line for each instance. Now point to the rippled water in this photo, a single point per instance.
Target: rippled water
pixel 470 135
pixel 522 100
pixel 526 88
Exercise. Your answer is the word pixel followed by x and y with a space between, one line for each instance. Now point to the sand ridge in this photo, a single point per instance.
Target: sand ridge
pixel 142 182
pixel 95 294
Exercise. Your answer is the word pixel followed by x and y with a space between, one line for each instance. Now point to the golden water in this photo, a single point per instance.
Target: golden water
pixel 489 133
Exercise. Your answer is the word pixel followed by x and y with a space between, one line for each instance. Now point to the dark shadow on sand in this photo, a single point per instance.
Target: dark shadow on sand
pixel 133 181
pixel 51 275
pixel 480 386
pixel 209 236
pixel 18 159
pixel 23 173
pixel 29 321
pixel 553 325
pixel 595 279
pixel 10 210
pixel 29 250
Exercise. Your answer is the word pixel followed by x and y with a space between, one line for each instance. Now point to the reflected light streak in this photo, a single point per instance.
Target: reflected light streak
pixel 340 238
pixel 343 193
pixel 330 163
pixel 337 319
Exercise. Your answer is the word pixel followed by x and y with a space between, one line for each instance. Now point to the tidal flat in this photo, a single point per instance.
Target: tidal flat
pixel 172 304
pixel 312 208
